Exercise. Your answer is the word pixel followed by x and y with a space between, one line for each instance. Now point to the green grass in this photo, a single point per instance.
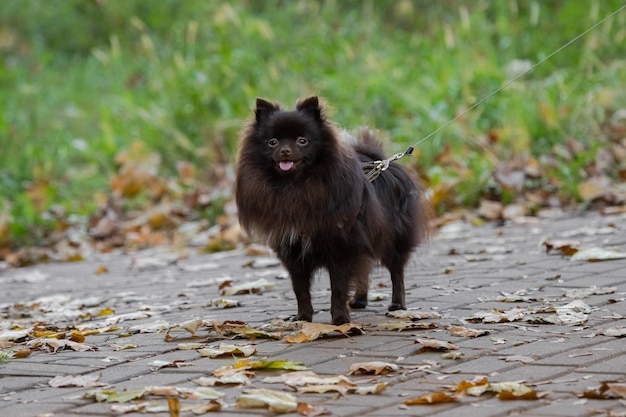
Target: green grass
pixel 82 80
pixel 5 355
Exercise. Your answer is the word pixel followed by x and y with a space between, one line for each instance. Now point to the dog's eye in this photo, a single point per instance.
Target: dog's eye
pixel 303 141
pixel 272 142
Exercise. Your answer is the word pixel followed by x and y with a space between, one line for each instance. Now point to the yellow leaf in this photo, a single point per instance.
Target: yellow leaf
pixel 106 312
pixel 432 398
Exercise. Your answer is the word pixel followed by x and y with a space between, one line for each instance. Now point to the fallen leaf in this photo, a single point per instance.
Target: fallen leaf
pixel 173 405
pixel 466 331
pixel 341 387
pixel 114 396
pixel 370 389
pixel 55 345
pixel 129 408
pixel 302 378
pixel 432 398
pixel 518 358
pixel 311 411
pixel 262 262
pixel 413 315
pixel 235 378
pixel 190 346
pixel 255 287
pixel 313 331
pixel 514 391
pixel 597 254
pixel 565 247
pixel 117 347
pixel 613 331
pixel 275 401
pixel 452 355
pixel 375 367
pixel 407 325
pixel 227 350
pixel 505 390
pixel 606 390
pixel 22 352
pixel 436 344
pixel 266 363
pixel 158 364
pixel 587 292
pixel 75 381
pixel 224 303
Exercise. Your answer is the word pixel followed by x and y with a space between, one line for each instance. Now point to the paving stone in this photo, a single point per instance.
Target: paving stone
pixel 566 359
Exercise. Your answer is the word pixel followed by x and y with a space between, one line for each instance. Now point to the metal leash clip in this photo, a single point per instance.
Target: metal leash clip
pixel 374 168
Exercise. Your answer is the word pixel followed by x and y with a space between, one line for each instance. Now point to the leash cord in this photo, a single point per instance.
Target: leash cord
pixel 375 168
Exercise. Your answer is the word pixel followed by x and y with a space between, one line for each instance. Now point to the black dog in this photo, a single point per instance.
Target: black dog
pixel 302 188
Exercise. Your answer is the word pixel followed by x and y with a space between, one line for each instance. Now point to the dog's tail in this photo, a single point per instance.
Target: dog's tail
pixel 370 143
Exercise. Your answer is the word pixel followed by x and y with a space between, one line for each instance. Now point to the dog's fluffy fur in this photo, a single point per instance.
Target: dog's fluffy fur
pixel 302 189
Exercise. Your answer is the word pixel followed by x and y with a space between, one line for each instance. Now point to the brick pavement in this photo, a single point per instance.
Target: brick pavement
pixel 461 272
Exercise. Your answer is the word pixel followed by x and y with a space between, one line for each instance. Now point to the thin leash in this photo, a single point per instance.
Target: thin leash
pixel 373 169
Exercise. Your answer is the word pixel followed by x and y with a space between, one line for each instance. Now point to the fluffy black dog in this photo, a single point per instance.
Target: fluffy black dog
pixel 301 187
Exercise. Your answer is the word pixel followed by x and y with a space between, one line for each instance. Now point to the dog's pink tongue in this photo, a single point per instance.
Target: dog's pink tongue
pixel 285 165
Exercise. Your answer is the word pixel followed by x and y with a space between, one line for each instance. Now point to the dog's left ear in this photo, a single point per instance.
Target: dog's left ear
pixel 311 106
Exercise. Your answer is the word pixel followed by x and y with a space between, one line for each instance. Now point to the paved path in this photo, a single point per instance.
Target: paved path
pixel 464 272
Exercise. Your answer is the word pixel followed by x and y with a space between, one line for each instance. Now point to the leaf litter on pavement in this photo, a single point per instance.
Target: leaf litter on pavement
pixel 94 317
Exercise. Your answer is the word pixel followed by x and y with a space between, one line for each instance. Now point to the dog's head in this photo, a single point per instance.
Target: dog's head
pixel 292 141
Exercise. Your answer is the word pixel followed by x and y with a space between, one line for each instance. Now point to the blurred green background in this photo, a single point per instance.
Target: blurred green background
pixel 82 80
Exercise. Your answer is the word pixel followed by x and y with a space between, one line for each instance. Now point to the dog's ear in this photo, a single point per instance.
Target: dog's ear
pixel 263 109
pixel 311 106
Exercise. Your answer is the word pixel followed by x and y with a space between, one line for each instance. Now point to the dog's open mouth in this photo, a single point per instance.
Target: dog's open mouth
pixel 287 165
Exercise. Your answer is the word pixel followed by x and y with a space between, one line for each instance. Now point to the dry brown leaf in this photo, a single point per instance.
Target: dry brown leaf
pixel 518 358
pixel 267 364
pixel 275 401
pixel 614 331
pixel 436 344
pixel 565 247
pixel 466 331
pixel 55 345
pixel 407 325
pixel 438 397
pixel 505 390
pixel 75 381
pixel 311 411
pixel 370 389
pixel 227 350
pixel 255 287
pixel 606 390
pixel 173 405
pixel 313 331
pixel 413 315
pixel 375 367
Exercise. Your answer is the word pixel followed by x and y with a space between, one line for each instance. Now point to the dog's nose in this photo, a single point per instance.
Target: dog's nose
pixel 286 151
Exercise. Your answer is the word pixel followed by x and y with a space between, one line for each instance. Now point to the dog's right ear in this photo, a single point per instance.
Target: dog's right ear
pixel 263 109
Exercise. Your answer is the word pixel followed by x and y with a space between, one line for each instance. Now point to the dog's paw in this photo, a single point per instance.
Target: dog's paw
pixel 303 317
pixel 396 306
pixel 360 302
pixel 341 319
